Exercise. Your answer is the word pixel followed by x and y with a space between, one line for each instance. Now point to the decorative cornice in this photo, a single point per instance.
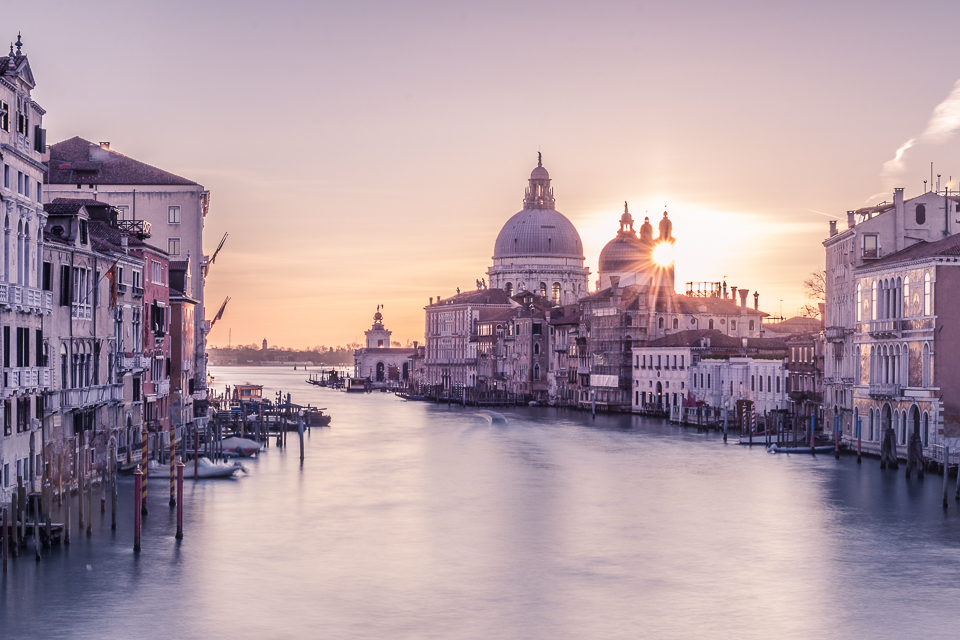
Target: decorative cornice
pixel 27 159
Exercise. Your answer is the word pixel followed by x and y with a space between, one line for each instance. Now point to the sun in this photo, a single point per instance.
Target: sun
pixel 663 254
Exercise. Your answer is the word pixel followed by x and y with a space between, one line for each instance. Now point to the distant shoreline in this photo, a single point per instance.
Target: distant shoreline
pixel 279 364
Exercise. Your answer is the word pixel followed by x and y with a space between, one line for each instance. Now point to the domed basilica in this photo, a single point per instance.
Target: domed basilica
pixel 628 260
pixel 538 249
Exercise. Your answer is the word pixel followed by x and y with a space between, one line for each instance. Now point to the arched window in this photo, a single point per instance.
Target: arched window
pixel 927 382
pixel 676 323
pixel 710 324
pixel 508 288
pixel 536 372
pixel 660 323
pixel 903 428
pixel 926 293
pixel 856 367
pixel 778 384
pixel 628 320
pixel 859 300
pixel 733 325
pixel 753 325
pixel 556 293
pixel 536 348
pixel 26 255
pixel 543 289
pixel 856 422
pixel 898 300
pixel 926 429
pixel 870 426
pixel 921 214
pixel 752 382
pixel 873 301
pixel 64 367
pixel 906 297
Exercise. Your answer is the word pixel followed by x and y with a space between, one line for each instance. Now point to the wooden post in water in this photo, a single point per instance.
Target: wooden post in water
pixel 103 486
pixel 180 466
pixel 60 479
pixel 48 502
pixel 36 528
pixel 196 448
pixel 66 523
pixel 300 431
pixel 14 512
pixel 137 516
pixel 173 469
pixel 946 473
pixel 6 538
pixel 145 470
pixel 89 508
pixel 813 428
pixel 836 437
pixel 859 420
pixel 79 473
pixel 724 425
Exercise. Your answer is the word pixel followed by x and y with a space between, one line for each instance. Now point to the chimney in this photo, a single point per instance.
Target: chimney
pixel 724 289
pixel 431 299
pixel 105 146
pixel 743 341
pixel 851 220
pixel 123 243
pixel 733 294
pixel 833 228
pixel 756 300
pixel 743 297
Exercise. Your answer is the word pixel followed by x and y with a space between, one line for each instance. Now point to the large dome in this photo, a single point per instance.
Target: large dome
pixel 623 254
pixel 538 232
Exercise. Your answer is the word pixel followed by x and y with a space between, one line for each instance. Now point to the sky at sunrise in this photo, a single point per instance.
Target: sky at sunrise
pixel 363 153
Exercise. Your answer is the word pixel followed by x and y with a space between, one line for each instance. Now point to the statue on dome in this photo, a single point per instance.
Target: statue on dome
pixel 666 229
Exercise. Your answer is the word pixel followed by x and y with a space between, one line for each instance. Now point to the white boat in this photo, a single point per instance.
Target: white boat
pixel 240 447
pixel 206 468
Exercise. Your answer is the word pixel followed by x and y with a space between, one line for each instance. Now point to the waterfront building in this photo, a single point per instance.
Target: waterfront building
pixel 709 368
pixel 804 366
pixel 185 408
pixel 27 382
pixel 872 234
pixel 564 365
pixel 379 362
pixel 93 337
pixel 906 328
pixel 538 248
pixel 175 207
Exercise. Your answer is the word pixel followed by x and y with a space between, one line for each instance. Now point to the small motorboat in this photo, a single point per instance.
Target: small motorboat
pixel 315 418
pixel 240 447
pixel 206 468
pixel 493 417
pixel 758 437
pixel 826 448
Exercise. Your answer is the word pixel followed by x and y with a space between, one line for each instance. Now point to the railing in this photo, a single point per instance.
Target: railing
pixel 887 326
pixel 835 334
pixel 47 301
pixel 162 388
pixel 28 377
pixel 137 291
pixel 140 228
pixel 73 398
pixel 4 295
pixel 81 311
pixel 885 390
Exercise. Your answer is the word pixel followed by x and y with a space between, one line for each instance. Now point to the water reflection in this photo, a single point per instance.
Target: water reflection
pixel 410 520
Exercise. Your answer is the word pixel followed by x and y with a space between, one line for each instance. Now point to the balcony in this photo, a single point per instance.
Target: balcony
pixel 81 311
pixel 139 228
pixel 26 298
pixel 28 377
pixel 137 291
pixel 836 334
pixel 91 396
pixel 885 391
pixel 162 388
pixel 886 328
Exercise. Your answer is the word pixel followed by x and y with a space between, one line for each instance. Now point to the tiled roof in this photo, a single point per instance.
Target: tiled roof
pixel 949 246
pixel 718 340
pixel 69 206
pixel 691 305
pixel 794 325
pixel 79 161
pixel 179 265
pixel 480 296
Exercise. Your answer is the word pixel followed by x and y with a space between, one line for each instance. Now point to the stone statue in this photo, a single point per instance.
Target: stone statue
pixel 666 229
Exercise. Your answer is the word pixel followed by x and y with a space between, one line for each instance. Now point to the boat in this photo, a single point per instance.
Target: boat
pixel 493 417
pixel 205 468
pixel 315 418
pixel 240 447
pixel 825 448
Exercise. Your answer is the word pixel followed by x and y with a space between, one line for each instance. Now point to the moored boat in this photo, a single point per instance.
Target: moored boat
pixel 241 447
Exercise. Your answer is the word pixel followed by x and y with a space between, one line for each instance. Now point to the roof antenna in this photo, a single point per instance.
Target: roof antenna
pixel 19 44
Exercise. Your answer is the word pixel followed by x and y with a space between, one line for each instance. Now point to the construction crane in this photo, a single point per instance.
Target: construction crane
pixel 219 313
pixel 213 258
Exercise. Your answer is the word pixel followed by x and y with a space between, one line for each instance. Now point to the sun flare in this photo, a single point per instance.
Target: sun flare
pixel 663 254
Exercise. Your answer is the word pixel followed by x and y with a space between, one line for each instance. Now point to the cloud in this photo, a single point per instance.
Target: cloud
pixel 943 123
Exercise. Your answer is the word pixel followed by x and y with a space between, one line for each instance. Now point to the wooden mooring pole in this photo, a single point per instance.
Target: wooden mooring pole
pixel 180 466
pixel 946 473
pixel 137 515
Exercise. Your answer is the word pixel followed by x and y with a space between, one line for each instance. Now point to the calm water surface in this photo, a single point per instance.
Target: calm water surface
pixel 411 520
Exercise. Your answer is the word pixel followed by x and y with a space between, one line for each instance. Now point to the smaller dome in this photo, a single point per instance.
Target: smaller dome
pixel 622 254
pixel 539 173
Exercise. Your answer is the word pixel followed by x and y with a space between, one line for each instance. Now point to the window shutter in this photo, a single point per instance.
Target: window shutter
pixel 65 285
pixel 39 349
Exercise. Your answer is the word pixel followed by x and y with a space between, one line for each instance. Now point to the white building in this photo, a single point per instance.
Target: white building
pixel 27 379
pixel 872 233
pixel 378 361
pixel 539 249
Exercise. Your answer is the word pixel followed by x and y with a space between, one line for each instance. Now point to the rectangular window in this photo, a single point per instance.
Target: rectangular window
pixel 6 176
pixel 4 118
pixel 173 246
pixel 83 232
pixel 41 359
pixel 19 181
pixel 39 191
pixel 47 280
pixel 7 424
pixel 173 215
pixel 26 186
pixel 65 294
pixel 6 347
pixel 122 213
pixel 870 247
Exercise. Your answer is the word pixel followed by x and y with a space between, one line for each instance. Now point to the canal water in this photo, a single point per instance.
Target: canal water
pixel 413 520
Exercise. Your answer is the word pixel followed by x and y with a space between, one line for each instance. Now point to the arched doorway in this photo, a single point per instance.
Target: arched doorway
pixel 886 416
pixel 406 371
pixel 379 372
pixel 659 394
pixel 915 420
